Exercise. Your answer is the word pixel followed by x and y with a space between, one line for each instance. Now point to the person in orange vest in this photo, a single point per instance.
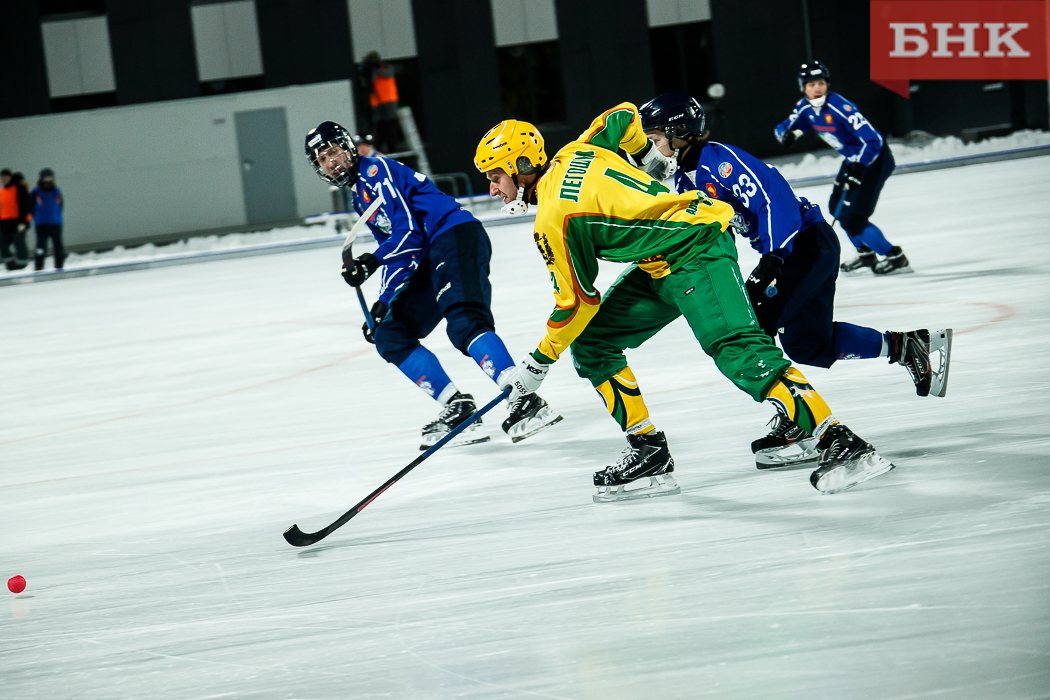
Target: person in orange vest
pixel 377 78
pixel 16 211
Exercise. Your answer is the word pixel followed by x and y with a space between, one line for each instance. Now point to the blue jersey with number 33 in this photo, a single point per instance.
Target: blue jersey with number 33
pixel 757 191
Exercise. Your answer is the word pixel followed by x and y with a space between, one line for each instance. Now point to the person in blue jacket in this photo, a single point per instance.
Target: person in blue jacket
pixel 792 290
pixel 47 218
pixel 433 263
pixel 868 164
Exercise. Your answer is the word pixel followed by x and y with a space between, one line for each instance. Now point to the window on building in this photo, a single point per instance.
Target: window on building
pixel 79 63
pixel 531 82
pixel 226 39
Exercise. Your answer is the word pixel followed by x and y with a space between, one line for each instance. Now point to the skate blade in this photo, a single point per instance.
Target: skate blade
pixel 471 436
pixel 940 359
pixel 846 476
pixel 896 271
pixel 646 487
pixel 796 455
pixel 545 419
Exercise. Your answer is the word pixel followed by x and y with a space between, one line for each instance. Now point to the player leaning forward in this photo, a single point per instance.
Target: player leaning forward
pixel 434 262
pixel 591 205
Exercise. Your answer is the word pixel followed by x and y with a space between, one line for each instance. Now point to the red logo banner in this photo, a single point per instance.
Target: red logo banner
pixel 959 40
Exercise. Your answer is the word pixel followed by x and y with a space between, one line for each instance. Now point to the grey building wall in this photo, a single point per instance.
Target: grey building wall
pixel 156 171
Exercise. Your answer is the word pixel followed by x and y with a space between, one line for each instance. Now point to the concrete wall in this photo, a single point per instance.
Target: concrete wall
pixel 153 171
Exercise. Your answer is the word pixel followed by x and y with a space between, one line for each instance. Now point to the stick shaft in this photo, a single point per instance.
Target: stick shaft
pixel 297 538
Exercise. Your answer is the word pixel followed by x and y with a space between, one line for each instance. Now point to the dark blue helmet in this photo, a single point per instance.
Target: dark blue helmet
pixel 814 70
pixel 676 113
pixel 338 170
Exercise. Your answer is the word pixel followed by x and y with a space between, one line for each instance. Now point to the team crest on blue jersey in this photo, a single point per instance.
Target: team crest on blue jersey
pixel 712 190
pixel 827 118
pixel 848 108
pixel 364 195
pixel 372 170
pixel 725 170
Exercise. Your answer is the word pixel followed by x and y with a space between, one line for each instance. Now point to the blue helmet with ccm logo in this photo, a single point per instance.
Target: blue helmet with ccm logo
pixel 332 152
pixel 813 70
pixel 677 114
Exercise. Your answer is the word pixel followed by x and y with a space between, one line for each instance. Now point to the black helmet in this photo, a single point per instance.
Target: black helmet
pixel 47 172
pixel 814 70
pixel 678 114
pixel 328 134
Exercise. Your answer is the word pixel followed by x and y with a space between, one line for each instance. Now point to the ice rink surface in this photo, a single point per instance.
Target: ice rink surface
pixel 161 429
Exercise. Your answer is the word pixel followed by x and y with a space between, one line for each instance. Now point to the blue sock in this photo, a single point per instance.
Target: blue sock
pixel 857 242
pixel 856 342
pixel 490 353
pixel 873 238
pixel 423 368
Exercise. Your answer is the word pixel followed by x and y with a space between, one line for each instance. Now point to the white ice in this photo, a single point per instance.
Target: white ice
pixel 160 429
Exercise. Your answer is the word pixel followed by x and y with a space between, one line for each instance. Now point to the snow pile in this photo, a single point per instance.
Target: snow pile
pixel 827 162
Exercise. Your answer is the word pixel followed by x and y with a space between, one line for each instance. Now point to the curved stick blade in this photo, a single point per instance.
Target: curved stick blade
pixel 297 538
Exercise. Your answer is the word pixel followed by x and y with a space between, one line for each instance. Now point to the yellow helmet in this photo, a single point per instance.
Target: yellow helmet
pixel 513 145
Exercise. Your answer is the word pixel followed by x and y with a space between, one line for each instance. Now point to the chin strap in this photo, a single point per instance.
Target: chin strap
pixel 518 206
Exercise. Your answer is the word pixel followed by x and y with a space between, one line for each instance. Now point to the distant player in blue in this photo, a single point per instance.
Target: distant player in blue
pixel 868 164
pixel 47 217
pixel 433 259
pixel 792 290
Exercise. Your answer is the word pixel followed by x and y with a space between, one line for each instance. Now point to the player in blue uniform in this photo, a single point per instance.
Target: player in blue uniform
pixel 792 290
pixel 433 263
pixel 867 165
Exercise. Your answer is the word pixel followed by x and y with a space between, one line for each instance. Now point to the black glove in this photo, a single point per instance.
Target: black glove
pixel 788 137
pixel 760 278
pixel 377 313
pixel 357 271
pixel 854 173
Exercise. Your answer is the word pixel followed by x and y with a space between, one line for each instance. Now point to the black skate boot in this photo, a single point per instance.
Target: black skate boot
pixel 787 445
pixel 925 356
pixel 458 409
pixel 643 471
pixel 845 461
pixel 895 263
pixel 528 415
pixel 864 261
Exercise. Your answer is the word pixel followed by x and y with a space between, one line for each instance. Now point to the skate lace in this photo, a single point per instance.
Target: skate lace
pixel 451 410
pixel 780 425
pixel 629 456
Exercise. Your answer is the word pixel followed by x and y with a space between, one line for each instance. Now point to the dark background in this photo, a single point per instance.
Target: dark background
pixel 460 84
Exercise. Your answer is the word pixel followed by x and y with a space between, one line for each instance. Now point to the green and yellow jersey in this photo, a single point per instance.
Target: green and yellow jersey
pixel 594 205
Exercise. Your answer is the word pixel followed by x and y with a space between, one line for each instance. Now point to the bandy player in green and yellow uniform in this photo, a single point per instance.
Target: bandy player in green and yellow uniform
pixel 593 205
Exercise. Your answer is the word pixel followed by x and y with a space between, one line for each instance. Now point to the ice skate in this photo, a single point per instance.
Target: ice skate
pixel 529 415
pixel 845 461
pixel 458 409
pixel 895 263
pixel 864 262
pixel 926 356
pixel 644 471
pixel 786 445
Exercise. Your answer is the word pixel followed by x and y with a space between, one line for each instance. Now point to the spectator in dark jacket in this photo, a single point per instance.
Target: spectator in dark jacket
pixel 16 211
pixel 47 217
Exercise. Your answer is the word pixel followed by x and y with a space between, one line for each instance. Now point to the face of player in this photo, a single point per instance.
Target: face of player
pixel 365 150
pixel 502 185
pixel 667 148
pixel 815 89
pixel 333 160
pixel 5 179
